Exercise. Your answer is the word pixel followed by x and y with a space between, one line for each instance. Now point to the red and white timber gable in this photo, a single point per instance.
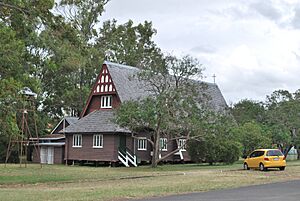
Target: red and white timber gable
pixel 103 94
pixel 104 83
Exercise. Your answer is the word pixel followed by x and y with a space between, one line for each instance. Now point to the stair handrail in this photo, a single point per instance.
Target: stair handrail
pixel 128 155
pixel 123 158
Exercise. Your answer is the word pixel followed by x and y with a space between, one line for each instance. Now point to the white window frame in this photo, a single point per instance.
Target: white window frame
pixel 97 141
pixel 106 101
pixel 163 142
pixel 77 140
pixel 143 143
pixel 180 143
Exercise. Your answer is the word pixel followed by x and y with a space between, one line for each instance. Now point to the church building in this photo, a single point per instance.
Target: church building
pixel 95 137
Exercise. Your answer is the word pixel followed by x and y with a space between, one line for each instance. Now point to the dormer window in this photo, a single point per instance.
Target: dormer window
pixel 106 101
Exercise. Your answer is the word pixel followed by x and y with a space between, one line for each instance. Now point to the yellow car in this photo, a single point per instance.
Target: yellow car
pixel 264 159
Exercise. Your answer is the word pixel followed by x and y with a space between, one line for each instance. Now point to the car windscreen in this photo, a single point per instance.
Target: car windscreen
pixel 274 153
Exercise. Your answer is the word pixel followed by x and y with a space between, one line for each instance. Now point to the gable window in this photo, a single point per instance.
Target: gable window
pixel 106 101
pixel 163 144
pixel 98 141
pixel 182 144
pixel 142 144
pixel 77 140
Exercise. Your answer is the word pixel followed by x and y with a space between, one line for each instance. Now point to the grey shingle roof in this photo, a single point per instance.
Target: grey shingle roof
pixel 129 87
pixel 214 98
pixel 127 84
pixel 71 120
pixel 99 121
pixel 217 101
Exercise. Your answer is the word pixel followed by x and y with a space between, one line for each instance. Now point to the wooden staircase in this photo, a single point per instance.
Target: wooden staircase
pixel 179 153
pixel 127 157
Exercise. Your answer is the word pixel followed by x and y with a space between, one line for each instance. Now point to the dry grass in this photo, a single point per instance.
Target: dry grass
pixel 88 183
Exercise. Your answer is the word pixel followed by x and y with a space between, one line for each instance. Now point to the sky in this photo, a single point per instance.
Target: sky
pixel 252 46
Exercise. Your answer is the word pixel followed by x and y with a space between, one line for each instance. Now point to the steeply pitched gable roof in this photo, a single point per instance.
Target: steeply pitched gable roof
pixel 215 100
pixel 99 121
pixel 127 85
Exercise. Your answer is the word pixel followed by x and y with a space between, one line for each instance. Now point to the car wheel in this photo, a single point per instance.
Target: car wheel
pixel 281 168
pixel 262 167
pixel 246 167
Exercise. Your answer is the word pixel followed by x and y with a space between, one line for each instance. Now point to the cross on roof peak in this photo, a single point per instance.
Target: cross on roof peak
pixel 214 76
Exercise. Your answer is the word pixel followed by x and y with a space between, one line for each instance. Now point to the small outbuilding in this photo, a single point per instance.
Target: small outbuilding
pixel 50 149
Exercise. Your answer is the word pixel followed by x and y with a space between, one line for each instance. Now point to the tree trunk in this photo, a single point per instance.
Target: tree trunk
pixel 155 156
pixel 156 147
pixel 298 153
pixel 279 146
pixel 286 151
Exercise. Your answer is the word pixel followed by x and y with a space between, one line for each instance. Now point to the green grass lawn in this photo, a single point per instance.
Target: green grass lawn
pixel 59 182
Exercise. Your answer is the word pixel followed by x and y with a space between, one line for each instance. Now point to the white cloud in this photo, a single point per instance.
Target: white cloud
pixel 268 9
pixel 252 46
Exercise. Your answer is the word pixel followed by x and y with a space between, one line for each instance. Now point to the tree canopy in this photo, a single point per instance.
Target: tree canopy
pixel 56 49
pixel 274 122
pixel 171 110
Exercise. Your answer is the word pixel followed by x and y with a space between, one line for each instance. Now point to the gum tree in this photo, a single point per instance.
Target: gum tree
pixel 171 110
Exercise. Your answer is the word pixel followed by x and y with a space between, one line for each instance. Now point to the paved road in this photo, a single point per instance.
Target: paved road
pixel 286 191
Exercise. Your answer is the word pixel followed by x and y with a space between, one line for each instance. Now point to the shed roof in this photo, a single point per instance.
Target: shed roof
pixel 49 137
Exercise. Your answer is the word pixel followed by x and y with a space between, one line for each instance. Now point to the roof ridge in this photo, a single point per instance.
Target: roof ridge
pixel 135 68
pixel 71 117
pixel 205 82
pixel 121 65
